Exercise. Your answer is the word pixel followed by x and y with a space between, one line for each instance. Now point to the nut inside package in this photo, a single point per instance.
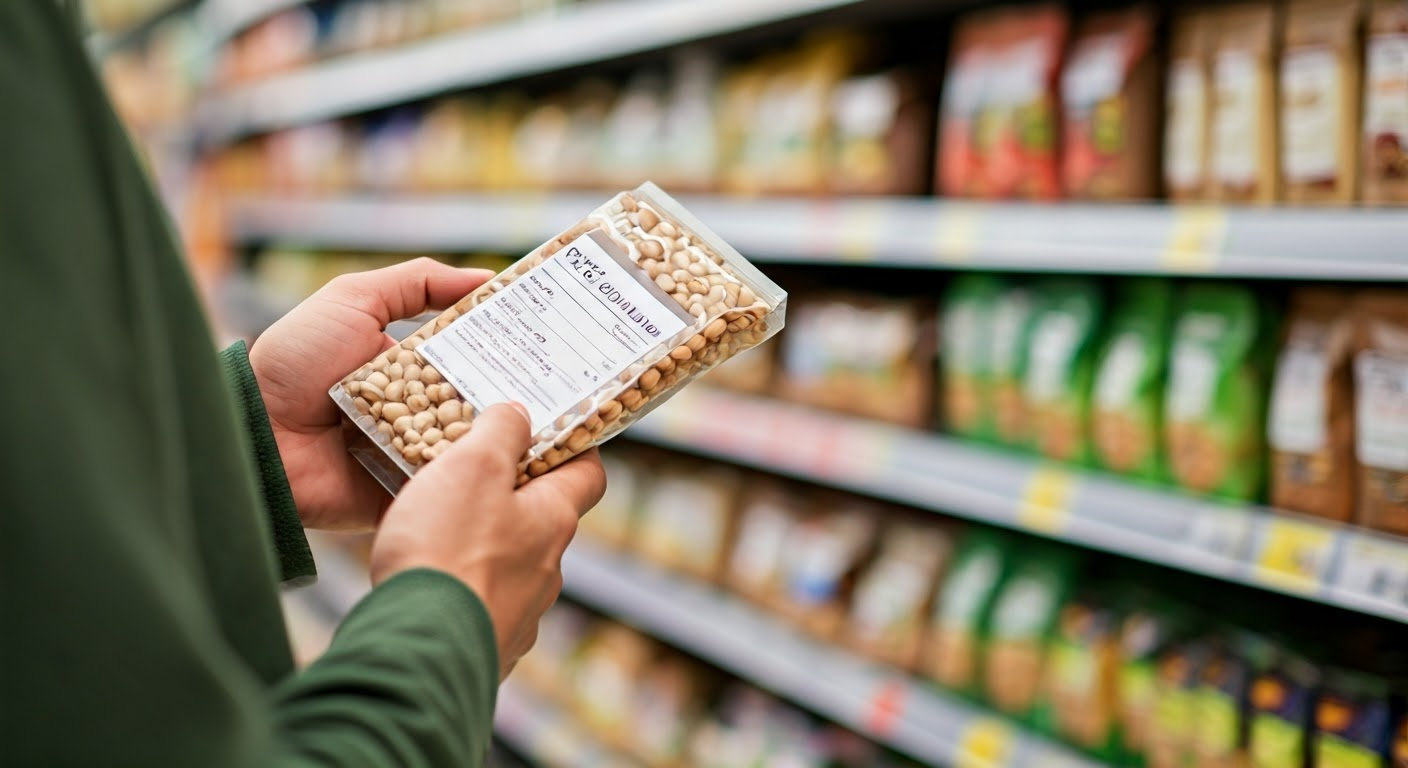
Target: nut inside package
pixel 589 331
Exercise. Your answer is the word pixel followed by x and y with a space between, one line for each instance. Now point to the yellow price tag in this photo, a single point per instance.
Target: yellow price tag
pixel 1196 239
pixel 958 225
pixel 987 743
pixel 1046 504
pixel 1294 555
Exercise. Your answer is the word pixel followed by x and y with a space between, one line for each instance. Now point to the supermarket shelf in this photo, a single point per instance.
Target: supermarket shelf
pixel 1339 565
pixel 107 42
pixel 223 19
pixel 537 730
pixel 536 44
pixel 880 702
pixel 1346 244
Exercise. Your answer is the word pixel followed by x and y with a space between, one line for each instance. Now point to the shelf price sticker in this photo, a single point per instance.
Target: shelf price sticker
pixel 957 233
pixel 885 709
pixel 1220 532
pixel 985 743
pixel 1294 555
pixel 1196 239
pixel 1375 568
pixel 1046 502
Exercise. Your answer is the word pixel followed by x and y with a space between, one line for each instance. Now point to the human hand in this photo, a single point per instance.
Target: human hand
pixel 313 347
pixel 461 514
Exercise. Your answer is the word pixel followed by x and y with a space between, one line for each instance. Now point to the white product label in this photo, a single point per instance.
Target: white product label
pixel 891 592
pixel 1118 379
pixel 1386 89
pixel 1020 610
pixel 1050 356
pixel 1192 381
pixel 1009 321
pixel 1094 72
pixel 1310 114
pixel 1297 419
pixel 1187 114
pixel 555 335
pixel 1381 410
pixel 759 550
pixel 1235 123
pixel 963 338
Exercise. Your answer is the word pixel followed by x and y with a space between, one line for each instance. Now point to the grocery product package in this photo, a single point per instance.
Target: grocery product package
pixel 1150 628
pixel 1188 94
pixel 1221 728
pixel 1385 133
pixel 821 560
pixel 1127 397
pixel 893 595
pixel 1353 720
pixel 1320 74
pixel 589 332
pixel 1111 98
pixel 670 698
pixel 767 514
pixel 1310 423
pixel 972 64
pixel 1244 155
pixel 1066 327
pixel 865 354
pixel 1019 123
pixel 603 681
pixel 1214 406
pixel 614 519
pixel 561 633
pixel 965 330
pixel 1012 315
pixel 962 609
pixel 1024 617
pixel 1381 409
pixel 687 515
pixel 1173 728
pixel 1282 707
pixel 1082 677
pixel 881 130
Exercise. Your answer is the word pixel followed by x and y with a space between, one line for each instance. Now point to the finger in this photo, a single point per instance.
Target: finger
pixel 580 483
pixel 499 437
pixel 404 290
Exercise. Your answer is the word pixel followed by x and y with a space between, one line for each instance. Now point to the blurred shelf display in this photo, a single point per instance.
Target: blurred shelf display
pixel 538 730
pixel 119 25
pixel 224 19
pixel 1352 244
pixel 578 35
pixel 1335 564
pixel 878 702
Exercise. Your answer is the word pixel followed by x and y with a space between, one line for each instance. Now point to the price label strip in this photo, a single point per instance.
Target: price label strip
pixel 1046 503
pixel 862 230
pixel 957 234
pixel 886 709
pixel 986 743
pixel 1294 555
pixel 1196 240
pixel 1377 569
pixel 1220 533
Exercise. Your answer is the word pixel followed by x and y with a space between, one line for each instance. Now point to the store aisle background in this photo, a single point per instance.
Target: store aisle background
pixel 1086 443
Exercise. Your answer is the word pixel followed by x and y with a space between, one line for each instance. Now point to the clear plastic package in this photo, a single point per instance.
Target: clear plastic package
pixel 589 331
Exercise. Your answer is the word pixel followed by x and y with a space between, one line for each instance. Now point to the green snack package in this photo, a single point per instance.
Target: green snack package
pixel 1126 417
pixel 963 606
pixel 1082 672
pixel 1174 724
pixel 1282 710
pixel 1353 720
pixel 1060 363
pixel 1215 403
pixel 965 331
pixel 1151 626
pixel 1011 329
pixel 1023 621
pixel 1220 730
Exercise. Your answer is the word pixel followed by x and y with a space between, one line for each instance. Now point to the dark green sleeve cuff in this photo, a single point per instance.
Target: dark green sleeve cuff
pixel 295 559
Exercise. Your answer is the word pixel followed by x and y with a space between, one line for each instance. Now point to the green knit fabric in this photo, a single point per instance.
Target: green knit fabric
pixel 295 559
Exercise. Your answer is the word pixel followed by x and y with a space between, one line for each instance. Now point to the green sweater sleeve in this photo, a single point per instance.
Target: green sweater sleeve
pixel 295 559
pixel 138 580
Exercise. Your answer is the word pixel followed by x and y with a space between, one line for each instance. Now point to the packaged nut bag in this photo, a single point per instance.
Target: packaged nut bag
pixel 589 332
pixel 1187 107
pixel 1060 363
pixel 1320 101
pixel 1385 130
pixel 1244 154
pixel 1024 618
pixel 1126 412
pixel 1310 425
pixel 1381 409
pixel 893 596
pixel 1082 676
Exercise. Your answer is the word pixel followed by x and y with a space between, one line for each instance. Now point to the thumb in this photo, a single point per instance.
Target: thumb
pixel 498 438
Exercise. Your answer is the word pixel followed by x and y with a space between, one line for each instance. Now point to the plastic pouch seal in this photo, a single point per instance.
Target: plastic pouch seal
pixel 590 331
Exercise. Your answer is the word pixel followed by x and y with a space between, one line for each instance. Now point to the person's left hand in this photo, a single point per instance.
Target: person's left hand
pixel 313 347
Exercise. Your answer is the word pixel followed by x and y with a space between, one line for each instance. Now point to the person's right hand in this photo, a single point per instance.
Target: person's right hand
pixel 460 514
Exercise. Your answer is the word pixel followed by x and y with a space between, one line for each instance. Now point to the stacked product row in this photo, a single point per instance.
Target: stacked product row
pixel 1219 388
pixel 300 36
pixel 667 710
pixel 1258 102
pixel 1058 640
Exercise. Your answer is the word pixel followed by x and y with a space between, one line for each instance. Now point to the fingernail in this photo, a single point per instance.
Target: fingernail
pixel 522 411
